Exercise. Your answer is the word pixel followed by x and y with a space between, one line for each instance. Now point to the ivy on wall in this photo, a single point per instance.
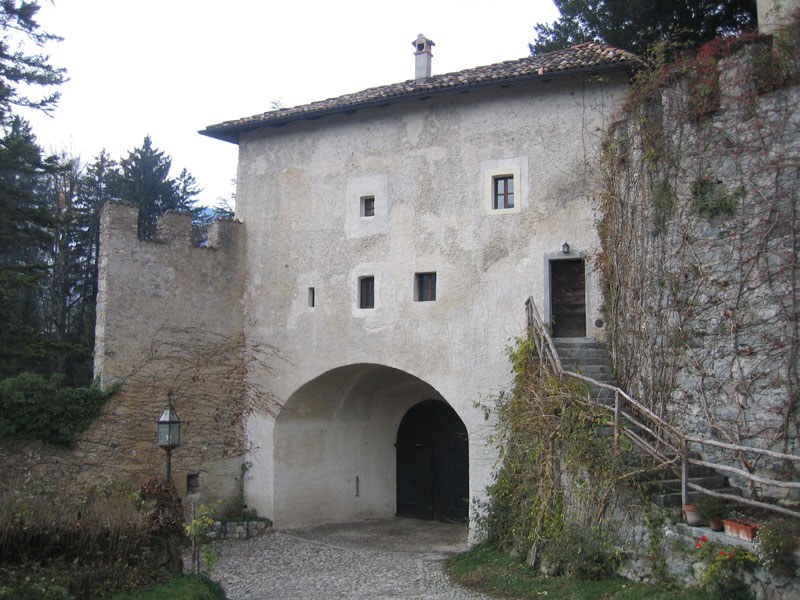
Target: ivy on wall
pixel 701 233
pixel 557 489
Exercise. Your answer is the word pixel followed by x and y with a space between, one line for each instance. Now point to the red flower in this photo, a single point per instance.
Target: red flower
pixel 650 556
pixel 730 554
pixel 722 552
pixel 698 544
pixel 704 539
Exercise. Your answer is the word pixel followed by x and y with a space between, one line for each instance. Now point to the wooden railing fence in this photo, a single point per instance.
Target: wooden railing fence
pixel 654 435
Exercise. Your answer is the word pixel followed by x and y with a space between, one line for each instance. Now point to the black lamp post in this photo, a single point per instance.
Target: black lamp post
pixel 169 433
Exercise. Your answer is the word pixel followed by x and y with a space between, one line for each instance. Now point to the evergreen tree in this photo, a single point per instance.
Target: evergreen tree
pixel 19 70
pixel 25 232
pixel 144 181
pixel 636 25
pixel 25 219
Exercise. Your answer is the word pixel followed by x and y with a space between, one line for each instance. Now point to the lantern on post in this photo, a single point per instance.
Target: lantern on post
pixel 169 433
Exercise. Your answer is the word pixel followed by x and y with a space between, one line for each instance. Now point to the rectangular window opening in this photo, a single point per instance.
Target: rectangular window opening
pixel 367 206
pixel 311 298
pixel 503 192
pixel 425 287
pixel 192 483
pixel 366 294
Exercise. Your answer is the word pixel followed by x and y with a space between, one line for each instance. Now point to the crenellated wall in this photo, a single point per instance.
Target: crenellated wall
pixel 169 317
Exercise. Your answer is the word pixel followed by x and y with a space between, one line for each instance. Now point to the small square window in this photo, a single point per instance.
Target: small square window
pixel 368 206
pixel 366 293
pixel 425 287
pixel 503 192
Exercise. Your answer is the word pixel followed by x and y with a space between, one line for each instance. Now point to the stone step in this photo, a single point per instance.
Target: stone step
pixel 674 498
pixel 579 360
pixel 572 342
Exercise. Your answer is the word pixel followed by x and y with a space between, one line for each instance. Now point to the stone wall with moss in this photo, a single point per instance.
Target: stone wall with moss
pixel 701 230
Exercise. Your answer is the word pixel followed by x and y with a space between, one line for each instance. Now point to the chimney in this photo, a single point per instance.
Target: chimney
pixel 772 14
pixel 422 52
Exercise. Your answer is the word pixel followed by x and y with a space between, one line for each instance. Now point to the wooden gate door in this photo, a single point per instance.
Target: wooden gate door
pixel 432 464
pixel 568 297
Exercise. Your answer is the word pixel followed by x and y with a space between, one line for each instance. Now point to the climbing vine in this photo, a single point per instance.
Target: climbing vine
pixel 701 232
pixel 557 489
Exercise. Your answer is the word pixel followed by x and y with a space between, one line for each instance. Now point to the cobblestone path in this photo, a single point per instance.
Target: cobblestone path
pixel 397 558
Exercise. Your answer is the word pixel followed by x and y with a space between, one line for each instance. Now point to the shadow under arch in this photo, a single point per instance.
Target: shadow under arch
pixel 334 457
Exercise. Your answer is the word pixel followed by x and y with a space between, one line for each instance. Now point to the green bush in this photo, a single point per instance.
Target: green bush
pixel 775 546
pixel 92 545
pixel 37 407
pixel 582 553
pixel 34 591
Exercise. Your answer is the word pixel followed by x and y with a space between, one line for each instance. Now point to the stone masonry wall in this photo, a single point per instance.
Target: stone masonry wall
pixel 702 232
pixel 168 318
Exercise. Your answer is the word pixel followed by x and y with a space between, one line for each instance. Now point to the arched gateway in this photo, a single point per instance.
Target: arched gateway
pixel 340 439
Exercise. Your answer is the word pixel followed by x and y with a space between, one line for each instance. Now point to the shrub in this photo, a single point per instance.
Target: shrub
pixel 726 566
pixel 775 546
pixel 91 545
pixel 581 552
pixel 34 591
pixel 37 407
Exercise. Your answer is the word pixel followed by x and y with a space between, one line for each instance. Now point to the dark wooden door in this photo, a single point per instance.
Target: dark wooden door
pixel 432 464
pixel 568 298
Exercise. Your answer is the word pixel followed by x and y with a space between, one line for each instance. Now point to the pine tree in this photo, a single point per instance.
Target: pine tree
pixel 144 181
pixel 636 25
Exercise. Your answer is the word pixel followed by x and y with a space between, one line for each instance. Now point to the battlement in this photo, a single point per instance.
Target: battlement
pixel 173 228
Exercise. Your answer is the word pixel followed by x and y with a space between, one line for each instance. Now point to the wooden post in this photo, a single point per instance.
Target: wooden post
pixel 684 471
pixel 617 402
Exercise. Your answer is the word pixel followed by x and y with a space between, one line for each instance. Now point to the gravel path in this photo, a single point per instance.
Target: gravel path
pixel 398 558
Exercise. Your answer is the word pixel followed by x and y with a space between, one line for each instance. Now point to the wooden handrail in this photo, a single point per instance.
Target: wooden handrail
pixel 548 356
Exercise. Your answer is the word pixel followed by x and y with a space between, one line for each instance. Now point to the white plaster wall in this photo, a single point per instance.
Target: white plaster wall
pixel 426 164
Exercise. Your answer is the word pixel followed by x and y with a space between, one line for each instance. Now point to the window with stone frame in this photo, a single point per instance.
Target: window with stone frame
pixel 503 192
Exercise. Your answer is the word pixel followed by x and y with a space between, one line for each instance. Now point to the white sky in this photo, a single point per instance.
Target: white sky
pixel 169 68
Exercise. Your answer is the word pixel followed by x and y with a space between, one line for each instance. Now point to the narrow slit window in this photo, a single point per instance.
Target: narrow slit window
pixel 503 193
pixel 192 483
pixel 311 297
pixel 426 287
pixel 368 206
pixel 366 296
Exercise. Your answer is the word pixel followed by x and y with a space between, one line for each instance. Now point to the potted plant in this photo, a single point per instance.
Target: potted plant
pixel 693 515
pixel 741 530
pixel 715 510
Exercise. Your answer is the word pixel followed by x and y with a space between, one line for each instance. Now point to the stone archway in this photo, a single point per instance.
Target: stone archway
pixel 334 456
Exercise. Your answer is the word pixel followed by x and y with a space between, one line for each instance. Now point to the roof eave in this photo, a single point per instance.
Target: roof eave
pixel 230 132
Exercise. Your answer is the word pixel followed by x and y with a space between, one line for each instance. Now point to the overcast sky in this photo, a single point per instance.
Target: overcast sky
pixel 169 68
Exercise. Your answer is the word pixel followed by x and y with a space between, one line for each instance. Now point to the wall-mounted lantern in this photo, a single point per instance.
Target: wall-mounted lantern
pixel 565 248
pixel 169 433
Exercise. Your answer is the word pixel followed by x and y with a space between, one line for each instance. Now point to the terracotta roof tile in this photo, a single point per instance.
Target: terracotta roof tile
pixel 585 56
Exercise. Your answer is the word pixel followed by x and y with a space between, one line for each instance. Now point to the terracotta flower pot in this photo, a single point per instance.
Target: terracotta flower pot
pixel 716 524
pixel 741 531
pixel 693 516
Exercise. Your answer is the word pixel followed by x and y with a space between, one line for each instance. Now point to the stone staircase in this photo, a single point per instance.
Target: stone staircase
pixel 593 359
pixel 589 358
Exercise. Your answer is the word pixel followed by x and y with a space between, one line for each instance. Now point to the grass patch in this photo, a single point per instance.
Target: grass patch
pixel 186 587
pixel 493 572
